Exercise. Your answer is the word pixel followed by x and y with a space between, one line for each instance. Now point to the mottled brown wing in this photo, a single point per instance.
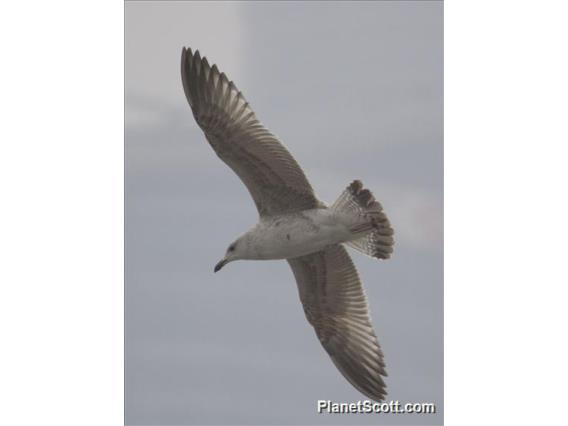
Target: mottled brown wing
pixel 336 306
pixel 274 179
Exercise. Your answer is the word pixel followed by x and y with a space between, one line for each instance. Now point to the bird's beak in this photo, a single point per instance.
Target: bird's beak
pixel 219 265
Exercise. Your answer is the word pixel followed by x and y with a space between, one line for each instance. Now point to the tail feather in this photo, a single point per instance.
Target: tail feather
pixel 376 240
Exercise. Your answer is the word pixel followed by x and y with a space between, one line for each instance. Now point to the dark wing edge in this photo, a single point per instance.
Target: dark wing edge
pixel 274 179
pixel 335 305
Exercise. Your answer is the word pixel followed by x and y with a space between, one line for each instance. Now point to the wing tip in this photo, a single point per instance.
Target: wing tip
pixel 185 53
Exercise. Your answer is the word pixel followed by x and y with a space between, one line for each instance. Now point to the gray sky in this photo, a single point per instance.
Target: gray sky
pixel 360 84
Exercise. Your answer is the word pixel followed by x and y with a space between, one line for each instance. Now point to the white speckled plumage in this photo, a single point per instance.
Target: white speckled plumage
pixel 296 226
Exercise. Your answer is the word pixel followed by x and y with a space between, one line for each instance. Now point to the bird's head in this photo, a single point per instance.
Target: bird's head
pixel 236 250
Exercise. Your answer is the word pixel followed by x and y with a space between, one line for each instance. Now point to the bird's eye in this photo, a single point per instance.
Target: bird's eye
pixel 232 248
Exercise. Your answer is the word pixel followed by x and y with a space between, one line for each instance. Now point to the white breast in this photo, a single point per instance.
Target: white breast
pixel 296 234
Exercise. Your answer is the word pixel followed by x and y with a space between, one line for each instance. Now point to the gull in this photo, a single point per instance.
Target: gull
pixel 296 226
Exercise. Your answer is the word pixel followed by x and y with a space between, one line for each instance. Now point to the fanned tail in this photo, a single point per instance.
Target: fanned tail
pixel 377 240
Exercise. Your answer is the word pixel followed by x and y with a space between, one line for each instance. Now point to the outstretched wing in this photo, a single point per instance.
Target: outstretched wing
pixel 274 179
pixel 335 305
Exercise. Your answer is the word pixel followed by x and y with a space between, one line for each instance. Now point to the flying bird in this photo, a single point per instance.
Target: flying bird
pixel 296 226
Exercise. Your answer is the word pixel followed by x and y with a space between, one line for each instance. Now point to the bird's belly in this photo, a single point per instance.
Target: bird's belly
pixel 299 234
